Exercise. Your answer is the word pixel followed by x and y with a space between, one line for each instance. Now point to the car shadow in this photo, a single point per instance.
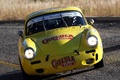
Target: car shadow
pixel 17 75
pixel 112 48
pixel 68 74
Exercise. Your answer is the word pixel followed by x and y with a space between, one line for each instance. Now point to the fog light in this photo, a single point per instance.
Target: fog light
pixel 89 61
pixel 40 70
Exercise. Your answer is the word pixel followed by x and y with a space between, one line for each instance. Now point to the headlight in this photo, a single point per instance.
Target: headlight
pixel 29 53
pixel 92 41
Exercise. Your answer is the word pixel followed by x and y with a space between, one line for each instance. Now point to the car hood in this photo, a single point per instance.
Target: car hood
pixel 58 42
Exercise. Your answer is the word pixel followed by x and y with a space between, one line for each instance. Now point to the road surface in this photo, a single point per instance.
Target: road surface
pixel 110 33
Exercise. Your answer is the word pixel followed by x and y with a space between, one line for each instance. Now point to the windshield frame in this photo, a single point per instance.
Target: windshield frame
pixel 50 14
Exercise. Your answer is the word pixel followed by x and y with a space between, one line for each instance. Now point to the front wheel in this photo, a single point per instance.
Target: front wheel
pixel 99 64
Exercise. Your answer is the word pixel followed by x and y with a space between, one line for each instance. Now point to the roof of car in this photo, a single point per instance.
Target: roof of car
pixel 51 10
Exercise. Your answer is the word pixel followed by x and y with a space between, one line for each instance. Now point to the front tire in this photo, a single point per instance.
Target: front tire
pixel 99 64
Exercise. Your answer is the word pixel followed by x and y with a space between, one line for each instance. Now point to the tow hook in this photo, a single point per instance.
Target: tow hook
pixel 76 52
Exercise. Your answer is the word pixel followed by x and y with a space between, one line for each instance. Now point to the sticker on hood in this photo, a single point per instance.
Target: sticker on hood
pixel 59 37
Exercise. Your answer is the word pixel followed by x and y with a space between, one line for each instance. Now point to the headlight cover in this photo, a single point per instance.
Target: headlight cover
pixel 29 53
pixel 92 41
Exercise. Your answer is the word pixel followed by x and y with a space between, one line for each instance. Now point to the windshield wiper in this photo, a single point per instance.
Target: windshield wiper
pixel 44 26
pixel 63 20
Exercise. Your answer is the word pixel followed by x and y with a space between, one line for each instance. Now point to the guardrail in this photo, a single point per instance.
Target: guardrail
pixel 96 19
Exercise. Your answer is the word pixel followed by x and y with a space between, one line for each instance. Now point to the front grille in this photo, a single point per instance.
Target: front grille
pixel 40 70
pixel 96 57
pixel 35 62
pixel 90 61
pixel 90 51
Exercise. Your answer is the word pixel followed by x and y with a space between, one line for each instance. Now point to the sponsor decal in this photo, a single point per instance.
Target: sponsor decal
pixel 59 37
pixel 63 62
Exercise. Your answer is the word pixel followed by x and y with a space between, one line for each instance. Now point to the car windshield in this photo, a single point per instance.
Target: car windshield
pixel 55 20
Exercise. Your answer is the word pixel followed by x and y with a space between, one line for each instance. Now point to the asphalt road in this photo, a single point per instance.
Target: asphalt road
pixel 110 33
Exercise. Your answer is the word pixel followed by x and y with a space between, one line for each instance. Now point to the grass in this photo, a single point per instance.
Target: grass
pixel 19 9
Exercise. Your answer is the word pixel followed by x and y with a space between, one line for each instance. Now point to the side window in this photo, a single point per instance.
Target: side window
pixel 74 21
pixel 79 21
pixel 35 28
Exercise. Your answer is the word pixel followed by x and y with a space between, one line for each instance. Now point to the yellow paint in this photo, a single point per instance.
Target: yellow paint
pixel 61 50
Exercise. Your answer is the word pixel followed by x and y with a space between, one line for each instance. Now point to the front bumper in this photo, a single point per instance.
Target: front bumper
pixel 56 64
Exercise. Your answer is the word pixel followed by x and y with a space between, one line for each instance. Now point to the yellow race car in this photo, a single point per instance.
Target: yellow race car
pixel 57 40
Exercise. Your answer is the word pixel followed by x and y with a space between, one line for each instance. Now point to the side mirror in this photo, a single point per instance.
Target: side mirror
pixel 20 33
pixel 91 21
